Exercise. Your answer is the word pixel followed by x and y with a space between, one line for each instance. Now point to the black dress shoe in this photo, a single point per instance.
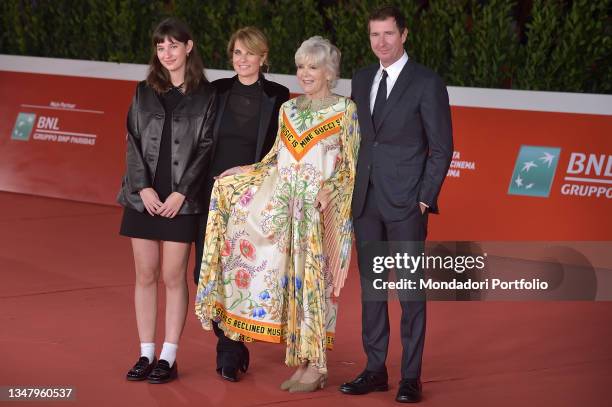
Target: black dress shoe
pixel 409 391
pixel 366 382
pixel 163 373
pixel 141 369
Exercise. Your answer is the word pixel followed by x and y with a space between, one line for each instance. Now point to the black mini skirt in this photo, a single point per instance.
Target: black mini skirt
pixel 181 228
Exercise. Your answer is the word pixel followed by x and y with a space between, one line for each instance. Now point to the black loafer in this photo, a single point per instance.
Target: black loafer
pixel 141 369
pixel 409 391
pixel 366 382
pixel 163 373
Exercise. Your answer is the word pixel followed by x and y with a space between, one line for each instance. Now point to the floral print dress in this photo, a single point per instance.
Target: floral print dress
pixel 273 265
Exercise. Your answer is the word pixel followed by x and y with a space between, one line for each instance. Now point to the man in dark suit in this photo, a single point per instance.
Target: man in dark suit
pixel 405 152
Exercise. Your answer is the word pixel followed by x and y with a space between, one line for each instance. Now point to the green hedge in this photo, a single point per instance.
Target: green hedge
pixel 563 45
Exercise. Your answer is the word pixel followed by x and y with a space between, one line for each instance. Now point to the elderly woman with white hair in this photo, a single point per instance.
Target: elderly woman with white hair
pixel 279 232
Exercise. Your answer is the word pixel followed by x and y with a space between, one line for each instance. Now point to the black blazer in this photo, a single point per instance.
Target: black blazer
pixel 273 96
pixel 192 129
pixel 406 158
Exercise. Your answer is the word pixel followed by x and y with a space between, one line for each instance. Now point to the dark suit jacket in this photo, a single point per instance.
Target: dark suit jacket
pixel 406 158
pixel 273 96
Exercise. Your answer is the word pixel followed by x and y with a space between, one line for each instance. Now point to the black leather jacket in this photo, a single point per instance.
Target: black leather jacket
pixel 192 127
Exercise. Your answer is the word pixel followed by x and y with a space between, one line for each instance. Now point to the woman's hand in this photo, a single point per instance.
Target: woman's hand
pixel 173 204
pixel 151 200
pixel 322 199
pixel 236 170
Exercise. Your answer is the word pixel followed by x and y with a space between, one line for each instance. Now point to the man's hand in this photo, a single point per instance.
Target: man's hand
pixel 173 204
pixel 423 208
pixel 151 201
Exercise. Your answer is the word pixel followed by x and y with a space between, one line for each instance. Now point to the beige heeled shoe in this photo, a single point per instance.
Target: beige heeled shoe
pixel 300 387
pixel 286 385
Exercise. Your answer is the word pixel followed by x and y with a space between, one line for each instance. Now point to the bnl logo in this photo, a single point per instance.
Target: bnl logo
pixel 534 171
pixel 23 126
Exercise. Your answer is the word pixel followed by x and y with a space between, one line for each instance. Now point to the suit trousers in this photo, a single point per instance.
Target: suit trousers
pixel 371 226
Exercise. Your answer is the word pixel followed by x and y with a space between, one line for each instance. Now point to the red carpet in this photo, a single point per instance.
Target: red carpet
pixel 67 319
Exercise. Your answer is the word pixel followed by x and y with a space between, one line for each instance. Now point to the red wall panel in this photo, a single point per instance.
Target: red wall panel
pixel 76 150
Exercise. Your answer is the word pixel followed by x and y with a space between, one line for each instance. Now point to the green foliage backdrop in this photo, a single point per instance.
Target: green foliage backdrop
pixel 561 45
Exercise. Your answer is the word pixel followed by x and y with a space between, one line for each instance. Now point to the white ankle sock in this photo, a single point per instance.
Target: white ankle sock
pixel 147 349
pixel 168 352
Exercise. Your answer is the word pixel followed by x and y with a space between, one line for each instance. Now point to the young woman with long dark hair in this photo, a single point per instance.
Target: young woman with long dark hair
pixel 169 141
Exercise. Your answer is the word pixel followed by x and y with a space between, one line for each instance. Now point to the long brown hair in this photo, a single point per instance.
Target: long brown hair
pixel 159 77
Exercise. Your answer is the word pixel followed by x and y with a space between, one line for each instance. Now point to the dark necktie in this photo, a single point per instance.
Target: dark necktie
pixel 381 99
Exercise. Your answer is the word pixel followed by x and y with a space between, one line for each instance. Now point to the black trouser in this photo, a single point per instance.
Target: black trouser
pixel 369 227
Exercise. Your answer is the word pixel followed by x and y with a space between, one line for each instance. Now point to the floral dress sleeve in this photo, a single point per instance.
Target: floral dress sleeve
pixel 337 222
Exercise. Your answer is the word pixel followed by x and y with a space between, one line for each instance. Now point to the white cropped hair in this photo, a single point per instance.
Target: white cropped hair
pixel 321 52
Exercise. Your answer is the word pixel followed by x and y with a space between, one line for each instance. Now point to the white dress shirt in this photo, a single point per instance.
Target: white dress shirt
pixel 393 72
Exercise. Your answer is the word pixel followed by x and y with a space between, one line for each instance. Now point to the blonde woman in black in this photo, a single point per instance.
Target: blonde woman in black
pixel 245 130
pixel 169 142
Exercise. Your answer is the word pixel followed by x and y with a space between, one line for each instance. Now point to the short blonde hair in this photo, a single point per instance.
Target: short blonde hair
pixel 321 52
pixel 253 39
